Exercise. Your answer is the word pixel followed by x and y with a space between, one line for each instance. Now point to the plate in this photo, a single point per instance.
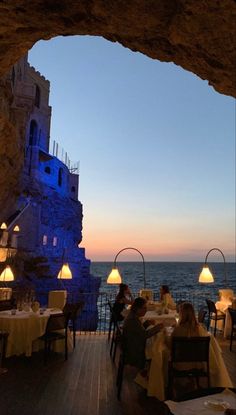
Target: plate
pixel 217 404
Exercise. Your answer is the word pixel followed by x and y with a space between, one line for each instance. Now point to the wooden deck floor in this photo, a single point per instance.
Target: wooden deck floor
pixel 84 385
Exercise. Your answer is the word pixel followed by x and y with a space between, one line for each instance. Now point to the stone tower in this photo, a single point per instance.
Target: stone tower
pixel 48 212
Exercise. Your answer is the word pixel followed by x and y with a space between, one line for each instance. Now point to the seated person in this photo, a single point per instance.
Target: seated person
pixel 123 297
pixel 135 333
pixel 226 298
pixel 166 298
pixel 188 325
pixel 226 294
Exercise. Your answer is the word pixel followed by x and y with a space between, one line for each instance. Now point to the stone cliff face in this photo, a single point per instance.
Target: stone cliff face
pixel 197 35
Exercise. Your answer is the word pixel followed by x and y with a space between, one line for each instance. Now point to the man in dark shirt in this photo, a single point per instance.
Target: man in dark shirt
pixel 135 334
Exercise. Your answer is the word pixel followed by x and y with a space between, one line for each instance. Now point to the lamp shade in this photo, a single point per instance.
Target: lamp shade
pixel 114 277
pixel 7 274
pixel 65 273
pixel 16 228
pixel 206 275
pixel 3 226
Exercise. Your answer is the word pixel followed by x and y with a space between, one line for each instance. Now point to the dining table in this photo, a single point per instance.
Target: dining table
pixel 223 306
pixel 158 352
pixel 166 318
pixel 25 328
pixel 205 405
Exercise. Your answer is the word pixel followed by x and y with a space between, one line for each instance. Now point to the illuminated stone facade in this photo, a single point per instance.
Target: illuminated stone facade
pixel 47 210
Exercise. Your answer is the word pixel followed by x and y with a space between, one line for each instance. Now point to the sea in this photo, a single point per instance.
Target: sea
pixel 181 277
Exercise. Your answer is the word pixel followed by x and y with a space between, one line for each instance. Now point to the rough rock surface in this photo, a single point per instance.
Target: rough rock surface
pixel 199 35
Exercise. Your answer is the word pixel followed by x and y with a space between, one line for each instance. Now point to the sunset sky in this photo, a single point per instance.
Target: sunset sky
pixel 156 147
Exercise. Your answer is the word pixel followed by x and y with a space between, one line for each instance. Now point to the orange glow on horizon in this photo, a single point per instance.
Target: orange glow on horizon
pixel 160 242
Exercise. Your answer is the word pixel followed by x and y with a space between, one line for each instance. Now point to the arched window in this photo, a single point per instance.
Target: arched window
pixel 73 189
pixel 33 133
pixel 60 174
pixel 47 170
pixel 37 96
pixel 54 241
pixel 45 239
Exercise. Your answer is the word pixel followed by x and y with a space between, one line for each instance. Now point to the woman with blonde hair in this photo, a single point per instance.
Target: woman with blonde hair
pixel 188 324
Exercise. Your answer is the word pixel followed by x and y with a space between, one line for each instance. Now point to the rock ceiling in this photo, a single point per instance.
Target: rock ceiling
pixel 198 35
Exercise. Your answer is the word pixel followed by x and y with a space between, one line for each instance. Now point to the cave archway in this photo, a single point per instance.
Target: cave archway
pixel 198 36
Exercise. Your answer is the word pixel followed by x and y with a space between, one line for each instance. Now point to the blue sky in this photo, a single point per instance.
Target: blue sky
pixel 156 147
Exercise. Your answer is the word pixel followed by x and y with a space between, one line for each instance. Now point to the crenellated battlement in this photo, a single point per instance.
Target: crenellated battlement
pixel 35 72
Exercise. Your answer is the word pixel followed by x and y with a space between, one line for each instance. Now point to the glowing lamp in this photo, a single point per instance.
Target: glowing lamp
pixel 114 277
pixel 7 274
pixel 65 272
pixel 3 226
pixel 206 276
pixel 16 228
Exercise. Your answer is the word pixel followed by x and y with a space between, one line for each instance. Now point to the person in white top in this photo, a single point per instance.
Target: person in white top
pixel 166 299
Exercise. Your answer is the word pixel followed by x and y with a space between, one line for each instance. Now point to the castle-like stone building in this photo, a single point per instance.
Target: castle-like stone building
pixel 46 221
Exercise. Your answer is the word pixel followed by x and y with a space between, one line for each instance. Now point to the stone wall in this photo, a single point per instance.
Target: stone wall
pixel 197 35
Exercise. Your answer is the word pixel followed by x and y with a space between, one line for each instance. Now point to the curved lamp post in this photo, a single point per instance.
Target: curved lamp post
pixel 115 278
pixel 206 276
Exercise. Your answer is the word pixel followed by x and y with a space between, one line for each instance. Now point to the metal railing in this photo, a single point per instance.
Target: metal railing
pixel 58 151
pixel 96 313
pixel 95 316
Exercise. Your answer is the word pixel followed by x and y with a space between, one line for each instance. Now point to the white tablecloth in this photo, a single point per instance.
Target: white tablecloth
pixel 201 405
pixel 166 319
pixel 226 326
pixel 158 350
pixel 24 328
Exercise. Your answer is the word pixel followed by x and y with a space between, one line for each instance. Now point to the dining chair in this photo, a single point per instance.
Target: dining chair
pixel 232 313
pixel 111 322
pixel 120 371
pixel 190 351
pixel 123 361
pixel 72 312
pixel 3 344
pixel 57 299
pixel 116 338
pixel 202 314
pixel 213 314
pixel 56 329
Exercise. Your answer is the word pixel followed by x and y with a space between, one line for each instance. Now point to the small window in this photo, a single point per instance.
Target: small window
pixel 73 189
pixel 45 239
pixel 60 173
pixel 37 96
pixel 54 241
pixel 47 170
pixel 33 133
